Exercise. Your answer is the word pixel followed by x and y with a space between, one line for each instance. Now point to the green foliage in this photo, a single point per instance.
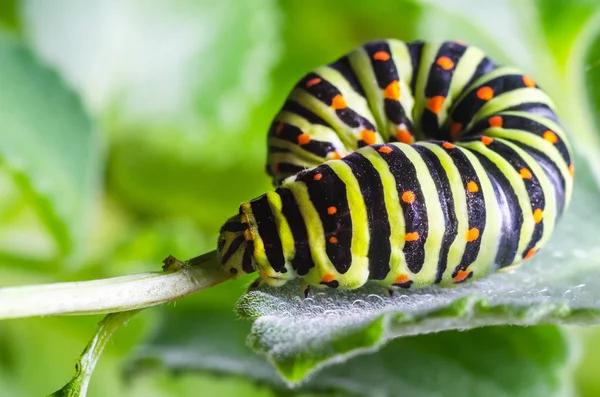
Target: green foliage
pixel 48 143
pixel 491 361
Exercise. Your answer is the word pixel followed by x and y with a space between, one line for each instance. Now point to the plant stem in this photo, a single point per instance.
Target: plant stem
pixel 77 387
pixel 116 294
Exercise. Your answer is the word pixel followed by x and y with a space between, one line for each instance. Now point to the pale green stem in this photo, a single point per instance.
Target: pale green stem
pixel 84 368
pixel 117 294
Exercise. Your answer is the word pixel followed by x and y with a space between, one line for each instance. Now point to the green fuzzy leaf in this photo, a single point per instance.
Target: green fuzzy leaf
pixel 561 284
pixel 491 361
pixel 47 142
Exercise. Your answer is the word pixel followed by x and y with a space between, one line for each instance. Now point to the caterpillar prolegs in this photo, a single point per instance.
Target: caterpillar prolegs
pixel 408 164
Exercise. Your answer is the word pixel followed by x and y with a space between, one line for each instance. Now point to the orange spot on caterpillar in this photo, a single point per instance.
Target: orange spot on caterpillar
pixel 385 149
pixel 435 104
pixel 312 82
pixel 328 277
pixel 461 276
pixel 408 197
pixel 550 136
pixel 445 63
pixel 528 81
pixel 338 102
pixel 303 139
pixel 530 253
pixel 572 170
pixel 404 136
pixel 538 214
pixel 333 240
pixel 401 279
pixel 472 234
pixel 455 130
pixel 331 210
pixel 381 56
pixel 486 140
pixel 278 128
pixel 392 91
pixel 248 235
pixel 448 145
pixel 336 156
pixel 317 177
pixel 472 187
pixel 525 173
pixel 495 121
pixel 368 136
pixel 414 236
pixel 485 93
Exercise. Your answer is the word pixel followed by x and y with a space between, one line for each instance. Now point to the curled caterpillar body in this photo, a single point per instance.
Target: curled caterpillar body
pixel 409 164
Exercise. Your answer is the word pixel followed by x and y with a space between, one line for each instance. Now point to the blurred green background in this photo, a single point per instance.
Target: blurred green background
pixel 182 93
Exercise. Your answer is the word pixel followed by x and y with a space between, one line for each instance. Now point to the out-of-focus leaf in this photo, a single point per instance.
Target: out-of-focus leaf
pixel 491 361
pixel 47 142
pixel 591 78
pixel 190 70
pixel 560 285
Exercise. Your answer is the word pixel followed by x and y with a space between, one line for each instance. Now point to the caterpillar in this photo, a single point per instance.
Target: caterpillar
pixel 408 165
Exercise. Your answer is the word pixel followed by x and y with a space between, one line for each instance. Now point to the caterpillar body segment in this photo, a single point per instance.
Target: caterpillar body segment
pixel 405 164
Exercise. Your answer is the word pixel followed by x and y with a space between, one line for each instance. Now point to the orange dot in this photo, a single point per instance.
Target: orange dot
pixel 338 102
pixel 401 279
pixel 572 169
pixel 435 104
pixel 414 236
pixel 328 277
pixel 248 235
pixel 525 173
pixel 317 177
pixel 392 91
pixel 336 156
pixel 550 136
pixel 331 210
pixel 312 82
pixel 445 63
pixel 381 56
pixel 303 139
pixel 495 121
pixel 530 253
pixel 472 234
pixel 408 197
pixel 279 128
pixel 538 214
pixel 528 81
pixel 485 93
pixel 333 240
pixel 486 140
pixel 385 149
pixel 455 130
pixel 461 276
pixel 368 136
pixel 404 136
pixel 448 145
pixel 472 187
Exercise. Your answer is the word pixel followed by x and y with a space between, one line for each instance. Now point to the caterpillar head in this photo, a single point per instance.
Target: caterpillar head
pixel 235 247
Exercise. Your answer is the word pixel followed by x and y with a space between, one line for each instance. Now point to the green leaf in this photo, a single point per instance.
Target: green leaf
pixel 47 142
pixel 559 285
pixel 77 387
pixel 491 361
pixel 592 78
